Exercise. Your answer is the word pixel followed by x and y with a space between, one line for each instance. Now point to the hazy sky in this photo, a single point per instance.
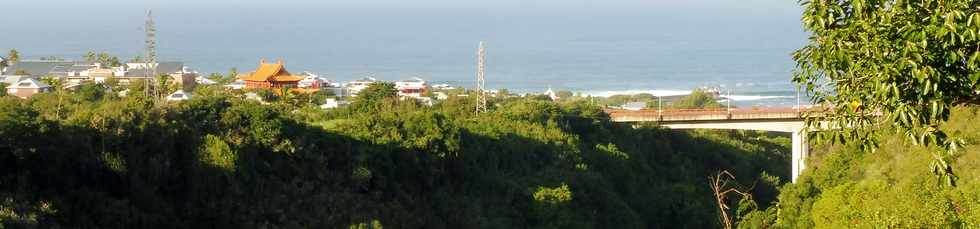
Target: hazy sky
pixel 733 6
pixel 628 44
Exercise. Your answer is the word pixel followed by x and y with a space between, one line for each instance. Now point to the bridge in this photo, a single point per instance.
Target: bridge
pixel 789 120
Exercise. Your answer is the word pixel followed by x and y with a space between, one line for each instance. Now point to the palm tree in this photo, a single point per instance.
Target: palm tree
pixel 57 85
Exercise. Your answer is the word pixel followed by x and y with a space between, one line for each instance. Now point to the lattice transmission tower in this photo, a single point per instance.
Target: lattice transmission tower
pixel 481 96
pixel 150 65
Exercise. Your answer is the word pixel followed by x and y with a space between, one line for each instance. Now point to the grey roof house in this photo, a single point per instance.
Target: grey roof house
pixel 39 68
pixel 11 80
pixel 27 88
pixel 78 71
pixel 137 70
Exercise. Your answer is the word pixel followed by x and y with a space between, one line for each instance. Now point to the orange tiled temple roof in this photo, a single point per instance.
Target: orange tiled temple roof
pixel 269 72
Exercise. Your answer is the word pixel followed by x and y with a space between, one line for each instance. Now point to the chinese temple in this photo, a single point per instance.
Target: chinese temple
pixel 271 75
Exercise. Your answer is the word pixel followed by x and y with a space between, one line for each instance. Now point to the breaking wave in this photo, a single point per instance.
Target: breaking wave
pixel 635 92
pixel 755 97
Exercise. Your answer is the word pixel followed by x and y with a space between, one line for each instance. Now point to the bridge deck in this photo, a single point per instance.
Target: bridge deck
pixel 705 115
pixel 765 119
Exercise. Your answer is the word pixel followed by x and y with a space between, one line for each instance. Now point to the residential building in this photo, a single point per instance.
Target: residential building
pixel 311 80
pixel 48 68
pixel 201 80
pixel 178 95
pixel 271 75
pixel 78 71
pixel 12 80
pixel 441 95
pixel 443 87
pixel 414 87
pixel 315 82
pixel 178 73
pixel 356 86
pixel 27 88
pixel 551 94
pixel 333 103
pixel 99 75
pixel 237 85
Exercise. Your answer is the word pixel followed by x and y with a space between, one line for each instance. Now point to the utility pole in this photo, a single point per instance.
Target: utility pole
pixel 150 65
pixel 799 108
pixel 660 104
pixel 729 100
pixel 481 97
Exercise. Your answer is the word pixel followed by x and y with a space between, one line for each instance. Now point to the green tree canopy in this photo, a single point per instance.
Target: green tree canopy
pixel 698 99
pixel 376 92
pixel 232 75
pixel 910 61
pixel 13 56
pixel 103 58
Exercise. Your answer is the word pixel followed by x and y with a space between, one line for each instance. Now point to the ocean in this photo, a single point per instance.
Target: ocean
pixel 595 52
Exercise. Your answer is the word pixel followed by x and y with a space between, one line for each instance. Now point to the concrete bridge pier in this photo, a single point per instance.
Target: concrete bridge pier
pixel 801 150
pixel 785 120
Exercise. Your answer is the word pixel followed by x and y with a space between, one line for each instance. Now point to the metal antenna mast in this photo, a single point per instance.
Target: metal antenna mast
pixel 150 67
pixel 481 97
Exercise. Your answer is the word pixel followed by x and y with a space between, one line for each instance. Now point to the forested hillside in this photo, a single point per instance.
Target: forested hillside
pixel 847 187
pixel 90 159
pixel 903 77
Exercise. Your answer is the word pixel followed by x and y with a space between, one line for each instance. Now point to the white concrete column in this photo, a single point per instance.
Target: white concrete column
pixel 801 149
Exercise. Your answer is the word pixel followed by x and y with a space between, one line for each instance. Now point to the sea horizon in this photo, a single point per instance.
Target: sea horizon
pixel 592 52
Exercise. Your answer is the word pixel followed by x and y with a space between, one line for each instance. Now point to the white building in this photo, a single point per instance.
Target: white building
pixel 237 85
pixel 414 87
pixel 176 70
pixel 443 87
pixel 313 81
pixel 178 95
pixel 78 71
pixel 254 96
pixel 333 103
pixel 204 80
pixel 357 86
pixel 551 94
pixel 441 95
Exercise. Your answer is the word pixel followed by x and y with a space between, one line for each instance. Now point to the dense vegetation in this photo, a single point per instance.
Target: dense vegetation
pixel 911 61
pixel 103 59
pixel 846 187
pixel 697 99
pixel 90 159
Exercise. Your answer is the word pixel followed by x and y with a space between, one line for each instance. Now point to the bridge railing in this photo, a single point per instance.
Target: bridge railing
pixel 707 114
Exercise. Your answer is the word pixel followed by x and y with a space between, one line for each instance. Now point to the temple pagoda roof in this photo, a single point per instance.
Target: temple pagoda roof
pixel 267 72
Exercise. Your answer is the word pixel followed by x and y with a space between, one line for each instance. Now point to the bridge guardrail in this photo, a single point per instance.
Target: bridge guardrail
pixel 706 114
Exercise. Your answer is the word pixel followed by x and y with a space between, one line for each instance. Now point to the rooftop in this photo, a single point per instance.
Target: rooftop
pixel 168 67
pixel 30 83
pixel 271 72
pixel 46 67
